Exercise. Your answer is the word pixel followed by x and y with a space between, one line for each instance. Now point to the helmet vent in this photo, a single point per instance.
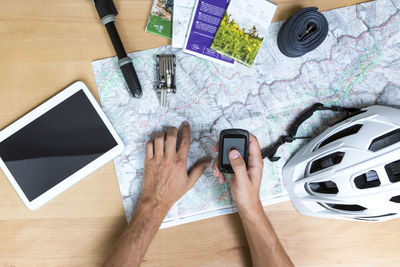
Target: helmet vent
pixel 345 207
pixel 367 180
pixel 393 171
pixel 326 162
pixel 377 216
pixel 385 140
pixel 368 220
pixel 326 187
pixel 346 132
pixel 395 199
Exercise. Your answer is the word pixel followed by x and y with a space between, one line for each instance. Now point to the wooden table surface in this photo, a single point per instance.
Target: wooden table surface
pixel 45 45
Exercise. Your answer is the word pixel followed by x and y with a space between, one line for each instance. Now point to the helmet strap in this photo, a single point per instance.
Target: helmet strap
pixel 271 151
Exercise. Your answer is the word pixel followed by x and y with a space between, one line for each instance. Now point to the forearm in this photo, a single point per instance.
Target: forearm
pixel 265 248
pixel 134 241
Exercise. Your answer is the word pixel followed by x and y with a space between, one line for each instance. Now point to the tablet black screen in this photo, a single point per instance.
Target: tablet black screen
pixel 57 144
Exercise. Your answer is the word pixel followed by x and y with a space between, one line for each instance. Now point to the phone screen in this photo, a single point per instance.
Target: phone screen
pixel 232 143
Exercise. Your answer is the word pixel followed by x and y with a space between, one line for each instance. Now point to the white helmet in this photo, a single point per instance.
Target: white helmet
pixel 350 171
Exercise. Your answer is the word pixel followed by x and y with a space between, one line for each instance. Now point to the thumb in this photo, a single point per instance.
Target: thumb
pixel 197 171
pixel 238 164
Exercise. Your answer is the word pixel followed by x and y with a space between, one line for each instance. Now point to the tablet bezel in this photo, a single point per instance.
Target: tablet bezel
pixel 78 175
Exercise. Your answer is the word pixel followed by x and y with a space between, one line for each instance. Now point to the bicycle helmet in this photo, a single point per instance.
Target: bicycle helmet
pixel 350 171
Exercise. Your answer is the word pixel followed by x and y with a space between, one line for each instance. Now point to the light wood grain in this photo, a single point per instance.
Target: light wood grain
pixel 46 45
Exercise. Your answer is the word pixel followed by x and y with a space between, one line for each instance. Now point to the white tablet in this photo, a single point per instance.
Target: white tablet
pixel 56 145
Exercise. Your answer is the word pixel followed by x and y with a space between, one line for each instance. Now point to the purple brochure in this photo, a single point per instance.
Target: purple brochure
pixel 203 26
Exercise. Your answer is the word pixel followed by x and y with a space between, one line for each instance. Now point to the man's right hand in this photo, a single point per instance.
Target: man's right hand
pixel 265 248
pixel 245 183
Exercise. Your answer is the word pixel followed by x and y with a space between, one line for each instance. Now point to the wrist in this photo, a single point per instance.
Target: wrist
pixel 250 210
pixel 154 206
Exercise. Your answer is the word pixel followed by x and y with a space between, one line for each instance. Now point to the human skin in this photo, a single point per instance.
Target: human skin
pixel 265 248
pixel 166 180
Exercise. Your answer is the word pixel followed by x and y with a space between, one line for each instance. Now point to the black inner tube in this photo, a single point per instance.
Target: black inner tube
pixel 303 32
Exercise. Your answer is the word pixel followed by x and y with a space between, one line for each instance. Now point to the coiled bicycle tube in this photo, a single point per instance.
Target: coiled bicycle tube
pixel 303 32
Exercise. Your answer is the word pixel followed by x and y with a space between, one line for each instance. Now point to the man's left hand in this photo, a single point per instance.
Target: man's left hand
pixel 165 178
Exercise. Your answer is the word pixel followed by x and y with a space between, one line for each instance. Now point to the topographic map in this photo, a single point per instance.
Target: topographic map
pixel 357 65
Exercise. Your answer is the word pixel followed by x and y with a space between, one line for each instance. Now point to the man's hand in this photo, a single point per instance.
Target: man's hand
pixel 165 181
pixel 165 178
pixel 245 183
pixel 264 245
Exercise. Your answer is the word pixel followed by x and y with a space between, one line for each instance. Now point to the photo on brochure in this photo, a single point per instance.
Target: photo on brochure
pixel 160 19
pixel 243 29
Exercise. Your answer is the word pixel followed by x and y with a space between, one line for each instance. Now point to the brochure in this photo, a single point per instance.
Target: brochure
pixel 183 10
pixel 160 19
pixel 205 19
pixel 243 29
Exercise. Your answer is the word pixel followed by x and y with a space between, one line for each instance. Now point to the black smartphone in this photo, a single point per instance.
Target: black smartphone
pixel 229 139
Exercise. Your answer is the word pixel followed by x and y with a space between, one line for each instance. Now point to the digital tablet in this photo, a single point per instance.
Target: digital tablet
pixel 56 145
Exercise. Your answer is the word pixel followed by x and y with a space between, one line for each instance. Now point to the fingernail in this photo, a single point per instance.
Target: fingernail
pixel 215 172
pixel 186 123
pixel 221 181
pixel 234 154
